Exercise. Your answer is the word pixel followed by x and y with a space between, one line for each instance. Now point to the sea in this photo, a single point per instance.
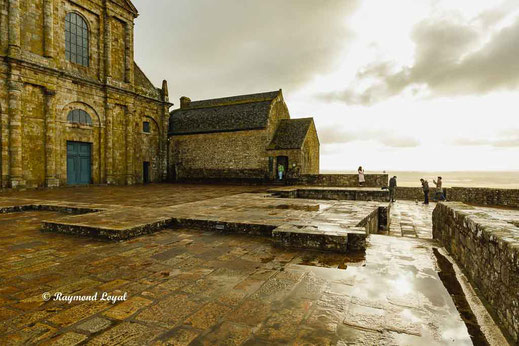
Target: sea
pixel 495 179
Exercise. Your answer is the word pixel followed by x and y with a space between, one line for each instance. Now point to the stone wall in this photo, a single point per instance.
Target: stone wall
pixel 415 193
pixel 310 153
pixel 222 155
pixel 487 248
pixel 471 195
pixel 39 87
pixel 485 196
pixel 341 180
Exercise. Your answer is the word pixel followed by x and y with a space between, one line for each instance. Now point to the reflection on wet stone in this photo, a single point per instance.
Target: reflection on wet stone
pixel 187 285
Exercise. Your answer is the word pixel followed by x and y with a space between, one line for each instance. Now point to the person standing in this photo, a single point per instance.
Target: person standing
pixel 392 189
pixel 281 171
pixel 362 180
pixel 439 192
pixel 425 188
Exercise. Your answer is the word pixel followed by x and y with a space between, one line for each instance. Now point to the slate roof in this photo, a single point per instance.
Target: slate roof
pixel 237 113
pixel 290 134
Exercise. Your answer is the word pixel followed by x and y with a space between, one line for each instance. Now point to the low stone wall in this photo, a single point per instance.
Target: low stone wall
pixel 470 195
pixel 485 196
pixel 414 193
pixel 341 180
pixel 486 246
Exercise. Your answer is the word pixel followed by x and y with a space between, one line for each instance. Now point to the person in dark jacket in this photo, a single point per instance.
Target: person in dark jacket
pixel 425 188
pixel 392 188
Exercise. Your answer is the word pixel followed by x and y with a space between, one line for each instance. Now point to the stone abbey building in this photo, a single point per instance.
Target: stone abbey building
pixel 240 138
pixel 75 108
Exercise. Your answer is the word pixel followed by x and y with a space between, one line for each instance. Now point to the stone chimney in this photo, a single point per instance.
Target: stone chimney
pixel 184 102
pixel 165 92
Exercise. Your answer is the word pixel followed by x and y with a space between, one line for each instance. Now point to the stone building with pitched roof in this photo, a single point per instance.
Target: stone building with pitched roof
pixel 243 137
pixel 74 106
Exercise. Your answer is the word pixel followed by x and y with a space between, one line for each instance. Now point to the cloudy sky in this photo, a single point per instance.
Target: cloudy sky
pixel 392 85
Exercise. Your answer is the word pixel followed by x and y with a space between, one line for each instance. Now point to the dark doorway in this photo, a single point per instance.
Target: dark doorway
pixel 281 161
pixel 145 172
pixel 79 163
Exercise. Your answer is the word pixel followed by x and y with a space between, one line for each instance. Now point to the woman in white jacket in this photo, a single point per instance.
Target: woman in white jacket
pixel 361 176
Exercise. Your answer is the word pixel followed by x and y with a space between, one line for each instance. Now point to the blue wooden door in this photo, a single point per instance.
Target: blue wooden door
pixel 79 163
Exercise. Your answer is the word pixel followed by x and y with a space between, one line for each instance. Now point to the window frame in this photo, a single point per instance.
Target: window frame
pixel 146 126
pixel 79 117
pixel 77 39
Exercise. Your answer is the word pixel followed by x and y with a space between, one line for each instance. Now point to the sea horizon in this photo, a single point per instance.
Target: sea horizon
pixel 471 178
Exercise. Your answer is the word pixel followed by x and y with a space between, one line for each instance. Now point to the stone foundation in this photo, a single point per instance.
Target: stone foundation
pixel 485 243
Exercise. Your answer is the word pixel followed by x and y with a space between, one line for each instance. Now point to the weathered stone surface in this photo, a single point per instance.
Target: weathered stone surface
pixel 39 86
pixel 485 242
pixel 94 325
pixel 266 289
pixel 470 195
pixel 333 193
pixel 341 180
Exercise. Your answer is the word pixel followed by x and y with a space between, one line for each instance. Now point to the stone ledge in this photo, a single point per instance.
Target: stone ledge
pixel 485 243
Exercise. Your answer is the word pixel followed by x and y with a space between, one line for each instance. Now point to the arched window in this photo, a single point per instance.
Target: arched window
pixel 76 39
pixel 79 116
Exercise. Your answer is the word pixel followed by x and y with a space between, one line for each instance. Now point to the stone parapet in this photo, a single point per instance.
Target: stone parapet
pixel 341 180
pixel 485 196
pixel 485 243
pixel 470 195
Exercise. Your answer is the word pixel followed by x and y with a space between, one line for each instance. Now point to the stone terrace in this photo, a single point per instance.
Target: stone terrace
pixel 187 285
pixel 333 225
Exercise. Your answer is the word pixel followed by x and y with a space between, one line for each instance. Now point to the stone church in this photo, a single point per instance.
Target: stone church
pixel 74 106
pixel 244 137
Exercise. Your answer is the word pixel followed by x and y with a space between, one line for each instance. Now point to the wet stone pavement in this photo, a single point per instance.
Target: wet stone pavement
pixel 189 286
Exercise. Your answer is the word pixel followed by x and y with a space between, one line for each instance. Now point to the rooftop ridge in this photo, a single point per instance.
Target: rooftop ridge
pixel 234 100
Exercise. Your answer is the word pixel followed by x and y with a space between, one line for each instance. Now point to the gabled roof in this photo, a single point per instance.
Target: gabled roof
pixel 290 134
pixel 237 113
pixel 127 4
pixel 141 80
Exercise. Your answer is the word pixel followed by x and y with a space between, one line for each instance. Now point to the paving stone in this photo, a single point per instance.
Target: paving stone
pixel 282 295
pixel 94 325
pixel 181 336
pixel 127 333
pixel 77 313
pixel 125 309
pixel 207 316
pixel 67 339
pixel 227 333
pixel 169 311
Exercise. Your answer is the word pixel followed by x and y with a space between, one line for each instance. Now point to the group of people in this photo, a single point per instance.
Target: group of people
pixel 439 196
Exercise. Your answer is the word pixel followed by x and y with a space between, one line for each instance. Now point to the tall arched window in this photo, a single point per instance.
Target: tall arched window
pixel 79 116
pixel 76 39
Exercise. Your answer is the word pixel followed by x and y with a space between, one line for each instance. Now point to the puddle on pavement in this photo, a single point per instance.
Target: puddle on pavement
pixel 313 207
pixel 332 260
pixel 448 277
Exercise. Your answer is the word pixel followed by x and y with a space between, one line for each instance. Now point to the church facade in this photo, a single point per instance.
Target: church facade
pixel 247 137
pixel 75 108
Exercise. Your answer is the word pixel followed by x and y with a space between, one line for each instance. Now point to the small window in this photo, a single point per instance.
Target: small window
pixel 76 39
pixel 146 127
pixel 79 116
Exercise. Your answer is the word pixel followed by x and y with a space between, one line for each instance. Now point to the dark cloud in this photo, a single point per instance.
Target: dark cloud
pixel 333 135
pixel 507 139
pixel 450 60
pixel 209 48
